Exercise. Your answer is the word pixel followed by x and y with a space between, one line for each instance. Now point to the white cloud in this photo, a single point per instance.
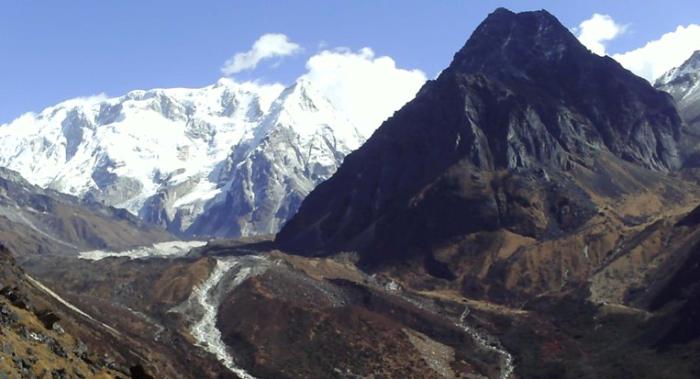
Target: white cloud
pixel 597 30
pixel 270 45
pixel 658 56
pixel 367 88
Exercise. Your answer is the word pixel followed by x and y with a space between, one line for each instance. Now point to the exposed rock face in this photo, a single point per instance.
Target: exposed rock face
pixel 521 132
pixel 230 159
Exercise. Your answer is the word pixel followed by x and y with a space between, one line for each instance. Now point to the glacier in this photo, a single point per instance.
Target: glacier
pixel 205 300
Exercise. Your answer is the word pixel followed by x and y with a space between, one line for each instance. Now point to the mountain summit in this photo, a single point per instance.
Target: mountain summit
pixel 522 132
pixel 537 58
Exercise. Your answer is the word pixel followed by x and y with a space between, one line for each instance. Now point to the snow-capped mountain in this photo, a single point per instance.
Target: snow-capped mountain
pixel 230 159
pixel 683 83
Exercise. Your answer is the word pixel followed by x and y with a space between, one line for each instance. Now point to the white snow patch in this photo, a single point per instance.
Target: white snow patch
pixel 160 250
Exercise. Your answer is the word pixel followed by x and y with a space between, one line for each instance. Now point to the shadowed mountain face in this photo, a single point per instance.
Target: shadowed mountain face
pixel 523 132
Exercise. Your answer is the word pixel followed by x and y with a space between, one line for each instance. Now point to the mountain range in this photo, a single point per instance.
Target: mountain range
pixel 229 159
pixel 236 159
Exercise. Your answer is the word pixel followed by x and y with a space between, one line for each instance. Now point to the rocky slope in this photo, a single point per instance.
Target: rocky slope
pixel 38 221
pixel 137 298
pixel 229 159
pixel 41 337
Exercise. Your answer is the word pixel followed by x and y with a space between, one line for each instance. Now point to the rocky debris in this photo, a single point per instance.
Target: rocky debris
pixel 32 343
pixel 80 350
pixel 56 348
pixel 59 374
pixel 438 356
pixel 318 327
pixel 7 317
pixel 134 305
pixel 79 374
pixel 32 352
pixel 31 335
pixel 16 297
pixel 48 318
pixel 7 348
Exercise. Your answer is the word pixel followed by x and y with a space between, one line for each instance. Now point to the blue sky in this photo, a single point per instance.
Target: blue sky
pixel 55 50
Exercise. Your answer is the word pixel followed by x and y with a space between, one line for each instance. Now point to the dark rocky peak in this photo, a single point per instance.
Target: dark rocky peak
pixel 508 43
pixel 533 79
pixel 521 110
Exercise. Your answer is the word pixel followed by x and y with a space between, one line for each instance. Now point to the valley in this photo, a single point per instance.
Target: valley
pixel 534 212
